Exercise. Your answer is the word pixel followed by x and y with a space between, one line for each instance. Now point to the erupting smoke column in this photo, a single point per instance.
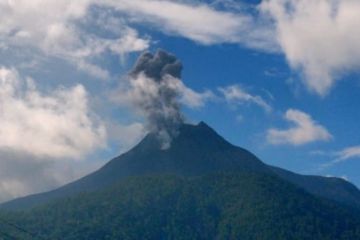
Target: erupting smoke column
pixel 154 82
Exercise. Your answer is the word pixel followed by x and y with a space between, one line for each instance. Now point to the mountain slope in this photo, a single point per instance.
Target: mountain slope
pixel 196 151
pixel 328 187
pixel 223 205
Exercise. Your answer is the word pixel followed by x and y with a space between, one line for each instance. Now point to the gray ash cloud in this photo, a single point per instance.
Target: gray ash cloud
pixel 155 93
pixel 158 66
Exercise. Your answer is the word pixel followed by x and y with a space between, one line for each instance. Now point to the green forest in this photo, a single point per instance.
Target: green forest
pixel 222 205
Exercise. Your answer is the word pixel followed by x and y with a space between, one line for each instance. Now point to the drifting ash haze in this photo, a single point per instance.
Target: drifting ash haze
pixel 155 91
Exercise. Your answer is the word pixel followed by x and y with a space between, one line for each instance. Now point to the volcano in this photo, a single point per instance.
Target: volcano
pixel 201 187
pixel 196 151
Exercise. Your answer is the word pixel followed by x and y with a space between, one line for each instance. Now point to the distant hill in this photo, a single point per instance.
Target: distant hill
pixel 202 187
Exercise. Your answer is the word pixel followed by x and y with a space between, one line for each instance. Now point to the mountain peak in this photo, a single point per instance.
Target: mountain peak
pixel 200 134
pixel 197 149
pixel 202 124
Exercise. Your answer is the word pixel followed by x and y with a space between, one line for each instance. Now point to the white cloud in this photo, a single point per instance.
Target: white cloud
pixel 321 38
pixel 340 156
pixel 81 31
pixel 305 130
pixel 59 29
pixel 42 134
pixel 347 153
pixel 57 125
pixel 235 94
pixel 197 22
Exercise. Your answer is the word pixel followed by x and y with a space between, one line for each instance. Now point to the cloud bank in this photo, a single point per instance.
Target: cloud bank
pixel 197 21
pixel 55 125
pixel 320 39
pixel 68 30
pixel 44 135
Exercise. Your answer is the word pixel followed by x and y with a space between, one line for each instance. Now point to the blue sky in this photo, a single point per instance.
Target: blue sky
pixel 278 77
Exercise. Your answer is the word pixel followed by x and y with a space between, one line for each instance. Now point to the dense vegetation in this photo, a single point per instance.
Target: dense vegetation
pixel 231 205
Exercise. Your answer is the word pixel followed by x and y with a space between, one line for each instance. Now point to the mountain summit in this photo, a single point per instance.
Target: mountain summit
pixel 196 150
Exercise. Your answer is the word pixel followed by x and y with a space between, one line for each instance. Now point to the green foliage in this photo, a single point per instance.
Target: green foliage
pixel 235 205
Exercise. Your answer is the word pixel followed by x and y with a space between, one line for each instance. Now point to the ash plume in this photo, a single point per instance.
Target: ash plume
pixel 155 92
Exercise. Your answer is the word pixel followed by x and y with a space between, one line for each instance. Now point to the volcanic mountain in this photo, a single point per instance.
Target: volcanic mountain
pixel 201 187
pixel 197 150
